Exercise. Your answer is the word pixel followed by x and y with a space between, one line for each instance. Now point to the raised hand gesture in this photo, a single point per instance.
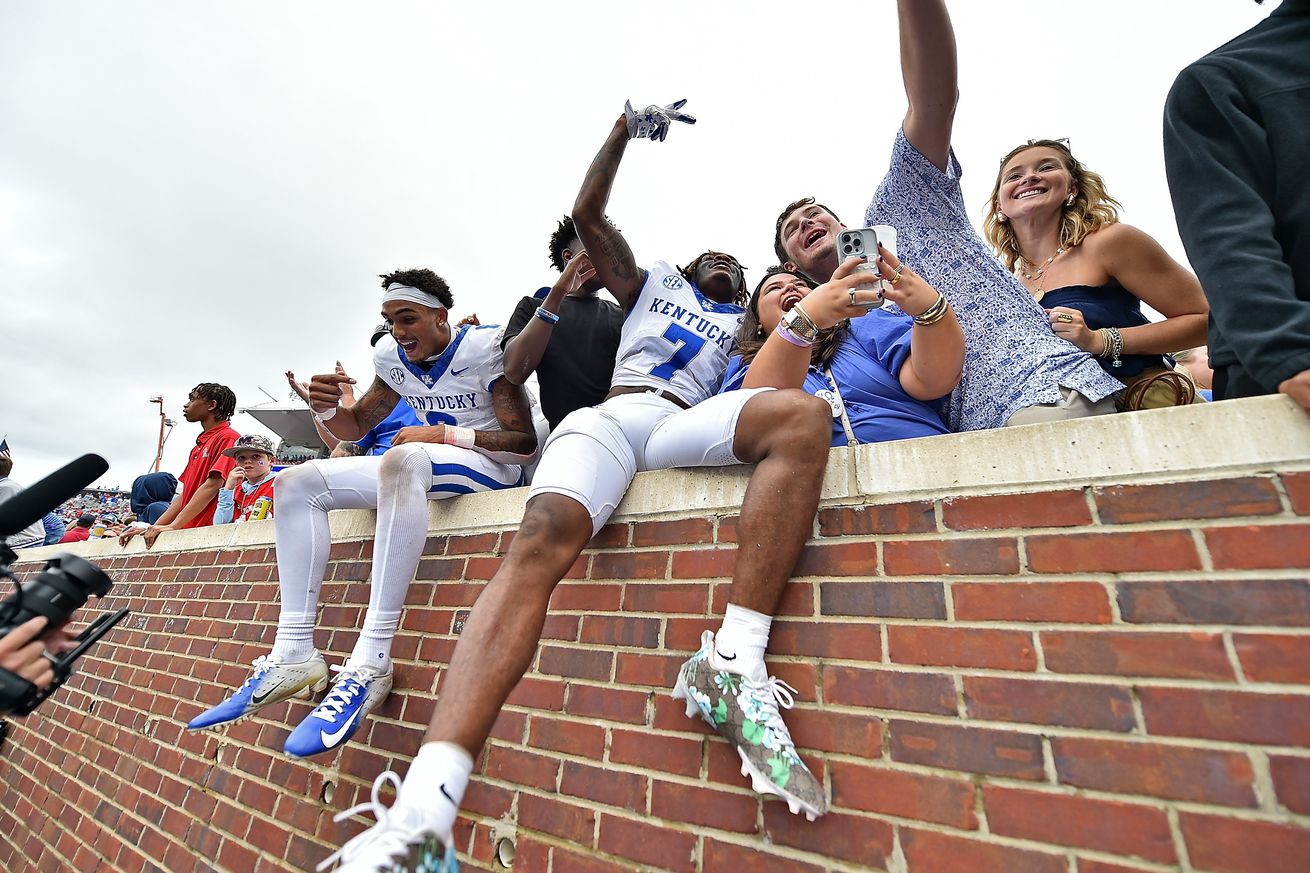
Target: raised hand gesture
pixel 653 122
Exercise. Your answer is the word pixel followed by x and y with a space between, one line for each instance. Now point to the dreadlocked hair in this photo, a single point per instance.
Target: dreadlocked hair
pixel 424 280
pixel 225 402
pixel 751 336
pixel 563 237
pixel 1092 208
pixel 738 293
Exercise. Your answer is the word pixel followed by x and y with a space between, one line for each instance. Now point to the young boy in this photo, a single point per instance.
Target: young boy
pixel 247 495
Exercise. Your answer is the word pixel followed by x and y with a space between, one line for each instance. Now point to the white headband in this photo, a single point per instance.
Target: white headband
pixel 397 291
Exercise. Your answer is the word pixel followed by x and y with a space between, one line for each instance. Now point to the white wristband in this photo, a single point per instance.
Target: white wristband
pixel 325 416
pixel 463 437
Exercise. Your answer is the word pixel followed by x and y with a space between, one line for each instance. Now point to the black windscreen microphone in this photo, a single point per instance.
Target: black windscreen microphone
pixel 31 504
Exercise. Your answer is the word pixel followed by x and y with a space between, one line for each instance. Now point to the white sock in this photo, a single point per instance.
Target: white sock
pixel 434 787
pixel 740 643
pixel 295 637
pixel 301 533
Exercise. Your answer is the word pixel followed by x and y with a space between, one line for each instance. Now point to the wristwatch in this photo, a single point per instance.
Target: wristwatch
pixel 800 325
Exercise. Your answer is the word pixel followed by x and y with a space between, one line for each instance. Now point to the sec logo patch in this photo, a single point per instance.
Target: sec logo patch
pixel 673 283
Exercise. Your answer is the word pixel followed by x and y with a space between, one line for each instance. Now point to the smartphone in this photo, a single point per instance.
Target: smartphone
pixel 861 243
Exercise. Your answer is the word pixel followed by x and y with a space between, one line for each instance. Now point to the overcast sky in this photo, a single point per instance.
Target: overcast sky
pixel 208 192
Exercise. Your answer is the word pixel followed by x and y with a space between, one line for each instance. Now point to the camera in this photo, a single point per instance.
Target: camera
pixel 62 586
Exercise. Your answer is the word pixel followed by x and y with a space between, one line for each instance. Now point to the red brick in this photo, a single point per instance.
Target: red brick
pixel 891 518
pixel 472 544
pixel 576 663
pixel 929 852
pixel 726 532
pixel 838 559
pixel 608 703
pixel 520 767
pixel 1063 819
pixel 1228 845
pixel 671 599
pixel 902 599
pixel 858 641
pixel 571 862
pixel 724 857
pixel 630 565
pixel 1237 716
pixel 1118 552
pixel 886 791
pixel 844 733
pixel 642 668
pixel 1001 511
pixel 953 557
pixel 535 693
pixel 703 806
pixel 673 533
pixel 647 843
pixel 1214 498
pixel 885 689
pixel 646 750
pixel 606 786
pixel 1255 547
pixel 968 749
pixel 1297 486
pixel 1172 772
pixel 1063 602
pixel 611 536
pixel 1086 865
pixel 703 563
pixel 1217 601
pixel 1291 782
pixel 481 568
pixel 554 815
pixel 857 838
pixel 620 630
pixel 1274 657
pixel 568 736
pixel 1194 655
pixel 961 647
pixel 581 596
pixel 440 569
pixel 1066 704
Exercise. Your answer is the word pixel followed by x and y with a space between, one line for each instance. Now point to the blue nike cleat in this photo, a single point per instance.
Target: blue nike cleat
pixel 272 682
pixel 357 691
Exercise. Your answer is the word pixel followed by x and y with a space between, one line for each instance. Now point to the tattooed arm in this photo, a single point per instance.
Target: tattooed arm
pixel 516 441
pixel 351 423
pixel 605 246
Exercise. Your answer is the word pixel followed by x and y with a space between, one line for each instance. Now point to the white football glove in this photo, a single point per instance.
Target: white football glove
pixel 653 122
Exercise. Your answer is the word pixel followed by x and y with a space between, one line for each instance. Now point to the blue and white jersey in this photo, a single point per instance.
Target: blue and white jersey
pixel 456 388
pixel 676 338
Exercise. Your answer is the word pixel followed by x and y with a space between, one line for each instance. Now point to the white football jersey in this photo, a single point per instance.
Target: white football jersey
pixel 676 338
pixel 456 388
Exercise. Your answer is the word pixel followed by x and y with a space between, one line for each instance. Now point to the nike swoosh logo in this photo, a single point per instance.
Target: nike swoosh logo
pixel 260 698
pixel 725 657
pixel 331 739
pixel 459 372
pixel 446 794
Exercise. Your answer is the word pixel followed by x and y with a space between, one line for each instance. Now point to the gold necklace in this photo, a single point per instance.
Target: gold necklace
pixel 1037 277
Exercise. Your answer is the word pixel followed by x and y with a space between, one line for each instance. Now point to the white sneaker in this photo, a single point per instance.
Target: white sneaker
pixel 398 843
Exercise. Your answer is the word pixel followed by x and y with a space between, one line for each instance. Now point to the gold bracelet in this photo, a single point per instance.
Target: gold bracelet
pixel 934 313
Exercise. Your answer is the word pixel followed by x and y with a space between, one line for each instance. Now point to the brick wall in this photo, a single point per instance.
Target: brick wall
pixel 1102 675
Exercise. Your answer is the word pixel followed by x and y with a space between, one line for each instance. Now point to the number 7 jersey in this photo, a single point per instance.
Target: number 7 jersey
pixel 676 338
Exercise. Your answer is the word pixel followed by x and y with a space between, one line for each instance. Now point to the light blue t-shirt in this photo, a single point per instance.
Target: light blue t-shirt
pixel 1012 358
pixel 867 370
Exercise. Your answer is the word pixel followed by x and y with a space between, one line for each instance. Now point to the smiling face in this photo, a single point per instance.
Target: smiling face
pixel 778 294
pixel 718 276
pixel 421 332
pixel 254 464
pixel 808 237
pixel 1032 182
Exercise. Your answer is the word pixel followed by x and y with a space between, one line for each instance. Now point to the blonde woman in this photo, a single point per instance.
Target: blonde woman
pixel 1052 223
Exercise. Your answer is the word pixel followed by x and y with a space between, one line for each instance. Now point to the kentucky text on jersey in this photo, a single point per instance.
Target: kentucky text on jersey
pixel 703 326
pixel 438 402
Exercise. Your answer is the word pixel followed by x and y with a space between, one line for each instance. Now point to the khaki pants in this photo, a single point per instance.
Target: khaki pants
pixel 1073 404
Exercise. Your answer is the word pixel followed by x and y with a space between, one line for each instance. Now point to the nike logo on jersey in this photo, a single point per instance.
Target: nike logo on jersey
pixel 331 739
pixel 260 698
pixel 459 372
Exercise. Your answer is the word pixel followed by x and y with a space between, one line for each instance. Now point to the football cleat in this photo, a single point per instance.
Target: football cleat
pixel 357 691
pixel 272 682
pixel 744 711
pixel 398 843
